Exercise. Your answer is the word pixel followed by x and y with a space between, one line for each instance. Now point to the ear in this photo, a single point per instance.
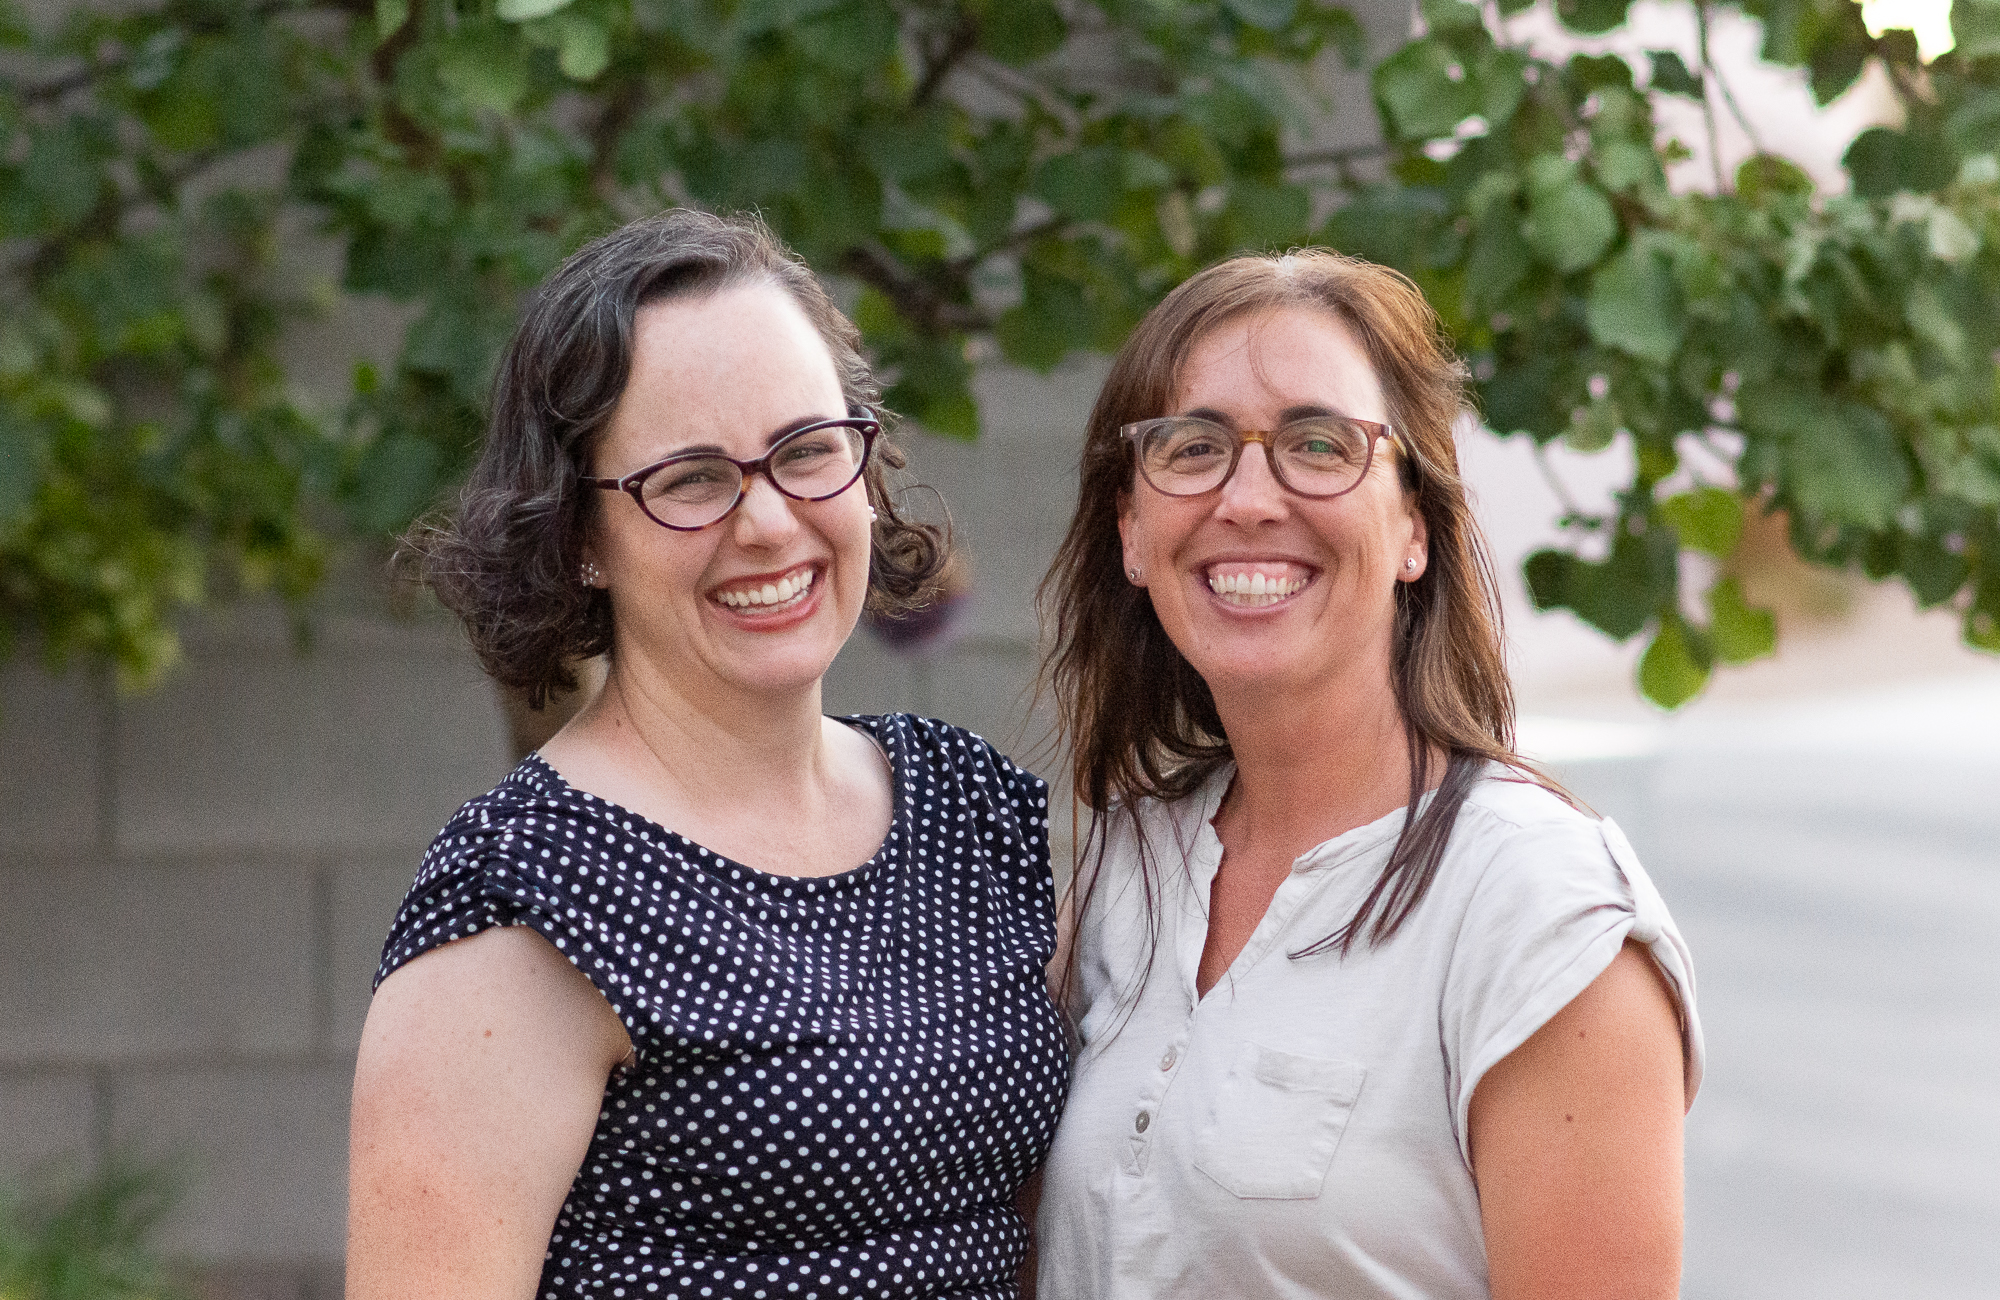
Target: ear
pixel 1418 547
pixel 587 558
pixel 1128 537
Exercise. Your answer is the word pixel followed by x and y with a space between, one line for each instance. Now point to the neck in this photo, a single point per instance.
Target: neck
pixel 719 749
pixel 1311 765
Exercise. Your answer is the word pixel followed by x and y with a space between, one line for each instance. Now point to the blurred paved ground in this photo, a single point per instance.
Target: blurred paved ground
pixel 1834 861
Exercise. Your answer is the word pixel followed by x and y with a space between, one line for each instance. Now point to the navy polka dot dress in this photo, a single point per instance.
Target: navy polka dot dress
pixel 840 1082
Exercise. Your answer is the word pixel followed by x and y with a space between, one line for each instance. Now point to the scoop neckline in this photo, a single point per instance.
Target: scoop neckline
pixel 1336 851
pixel 870 725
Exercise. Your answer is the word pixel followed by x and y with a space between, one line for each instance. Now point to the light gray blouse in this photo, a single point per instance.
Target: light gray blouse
pixel 1300 1132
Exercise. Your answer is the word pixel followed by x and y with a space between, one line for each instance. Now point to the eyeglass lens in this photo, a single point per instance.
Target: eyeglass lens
pixel 810 465
pixel 1317 456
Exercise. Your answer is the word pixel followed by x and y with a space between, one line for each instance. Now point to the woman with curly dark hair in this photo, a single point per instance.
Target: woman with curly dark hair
pixel 1368 1007
pixel 713 995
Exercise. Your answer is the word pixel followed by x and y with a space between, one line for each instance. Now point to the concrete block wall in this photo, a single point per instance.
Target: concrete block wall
pixel 193 888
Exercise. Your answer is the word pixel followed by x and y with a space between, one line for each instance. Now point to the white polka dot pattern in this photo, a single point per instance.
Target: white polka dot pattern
pixel 841 1082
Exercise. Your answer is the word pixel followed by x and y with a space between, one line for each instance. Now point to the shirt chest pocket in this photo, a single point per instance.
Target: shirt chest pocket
pixel 1278 1118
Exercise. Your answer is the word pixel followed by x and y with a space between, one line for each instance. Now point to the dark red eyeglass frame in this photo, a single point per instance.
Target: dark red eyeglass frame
pixel 634 484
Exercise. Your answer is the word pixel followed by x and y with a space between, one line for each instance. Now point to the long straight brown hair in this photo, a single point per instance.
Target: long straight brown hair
pixel 1136 718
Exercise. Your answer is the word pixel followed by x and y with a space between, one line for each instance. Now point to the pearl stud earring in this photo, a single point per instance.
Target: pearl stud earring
pixel 1410 565
pixel 1133 574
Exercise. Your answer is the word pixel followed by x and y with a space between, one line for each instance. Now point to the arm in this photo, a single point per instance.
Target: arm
pixel 481 1072
pixel 1576 1147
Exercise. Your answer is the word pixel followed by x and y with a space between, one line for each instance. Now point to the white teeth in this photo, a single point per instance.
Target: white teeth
pixel 1254 588
pixel 782 592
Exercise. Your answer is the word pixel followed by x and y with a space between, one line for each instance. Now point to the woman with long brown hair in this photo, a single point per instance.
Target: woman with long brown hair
pixel 1367 1006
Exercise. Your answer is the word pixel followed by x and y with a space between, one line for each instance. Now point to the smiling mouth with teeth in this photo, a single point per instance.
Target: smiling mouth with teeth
pixel 1254 588
pixel 786 591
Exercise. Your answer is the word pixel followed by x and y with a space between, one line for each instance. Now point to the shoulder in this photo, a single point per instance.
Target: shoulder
pixel 1508 815
pixel 530 810
pixel 927 749
pixel 1519 848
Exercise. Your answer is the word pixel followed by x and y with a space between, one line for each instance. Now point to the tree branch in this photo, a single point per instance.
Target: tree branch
pixel 1013 82
pixel 1707 104
pixel 1015 239
pixel 620 107
pixel 1556 485
pixel 916 299
pixel 1722 83
pixel 963 37
pixel 58 86
pixel 1338 158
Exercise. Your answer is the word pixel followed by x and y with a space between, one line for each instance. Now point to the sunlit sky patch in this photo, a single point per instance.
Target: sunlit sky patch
pixel 1929 20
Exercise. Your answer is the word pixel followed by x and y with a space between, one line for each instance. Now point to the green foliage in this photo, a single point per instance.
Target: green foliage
pixel 90 1244
pixel 1838 350
pixel 989 176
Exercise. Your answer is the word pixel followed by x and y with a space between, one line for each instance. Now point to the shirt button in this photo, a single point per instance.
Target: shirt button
pixel 1167 1061
pixel 1140 1124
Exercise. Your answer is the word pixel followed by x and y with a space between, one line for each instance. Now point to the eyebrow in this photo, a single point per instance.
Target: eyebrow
pixel 1310 411
pixel 771 440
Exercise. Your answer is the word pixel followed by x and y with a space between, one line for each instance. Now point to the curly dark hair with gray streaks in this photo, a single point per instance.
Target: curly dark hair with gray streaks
pixel 505 558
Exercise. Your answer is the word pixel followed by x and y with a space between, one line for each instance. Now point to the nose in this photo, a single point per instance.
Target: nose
pixel 764 515
pixel 1252 495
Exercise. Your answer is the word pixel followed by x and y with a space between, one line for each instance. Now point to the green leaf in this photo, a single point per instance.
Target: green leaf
pixel 1268 217
pixel 933 383
pixel 1847 466
pixel 1764 178
pixel 1570 222
pixel 1449 15
pixel 1708 519
pixel 1615 595
pixel 1498 259
pixel 1085 184
pixel 395 481
pixel 756 17
pixel 584 47
pixel 1934 322
pixel 20 474
pixel 1421 95
pixel 1882 161
pixel 1635 306
pixel 1739 633
pixel 1932 571
pixel 1270 15
pixel 1020 31
pixel 1976 25
pixel 1591 16
pixel 1623 165
pixel 521 11
pixel 1501 77
pixel 485 70
pixel 1593 426
pixel 390 15
pixel 1671 75
pixel 1053 320
pixel 1673 670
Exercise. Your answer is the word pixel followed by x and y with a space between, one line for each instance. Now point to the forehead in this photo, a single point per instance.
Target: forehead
pixel 725 367
pixel 1261 363
pixel 754 333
